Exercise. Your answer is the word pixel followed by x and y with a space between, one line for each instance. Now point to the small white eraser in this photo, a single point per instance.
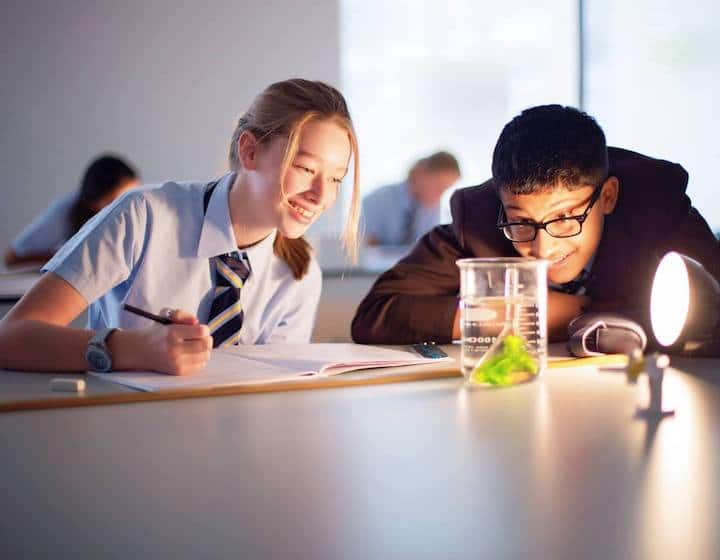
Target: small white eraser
pixel 67 385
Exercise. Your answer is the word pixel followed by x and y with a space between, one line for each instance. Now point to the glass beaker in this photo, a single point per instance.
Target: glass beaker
pixel 503 320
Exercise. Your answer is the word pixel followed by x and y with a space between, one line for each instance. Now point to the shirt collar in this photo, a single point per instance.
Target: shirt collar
pixel 217 236
pixel 259 255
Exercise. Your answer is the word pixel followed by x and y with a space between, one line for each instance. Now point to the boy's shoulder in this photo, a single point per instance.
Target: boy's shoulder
pixel 651 198
pixel 647 183
pixel 634 166
pixel 475 213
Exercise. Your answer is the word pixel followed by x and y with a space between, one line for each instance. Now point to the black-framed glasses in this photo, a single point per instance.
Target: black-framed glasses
pixel 569 226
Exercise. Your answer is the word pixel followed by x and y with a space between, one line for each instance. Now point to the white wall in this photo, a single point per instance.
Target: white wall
pixel 159 81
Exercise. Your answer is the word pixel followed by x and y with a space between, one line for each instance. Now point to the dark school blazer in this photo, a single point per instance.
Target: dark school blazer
pixel 416 300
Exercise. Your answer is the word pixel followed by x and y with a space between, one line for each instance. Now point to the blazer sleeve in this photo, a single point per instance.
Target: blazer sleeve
pixel 416 300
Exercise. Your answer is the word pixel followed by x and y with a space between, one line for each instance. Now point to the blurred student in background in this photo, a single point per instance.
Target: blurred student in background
pixel 401 213
pixel 105 179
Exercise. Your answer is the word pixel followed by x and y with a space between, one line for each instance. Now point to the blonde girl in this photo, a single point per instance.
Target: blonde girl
pixel 224 261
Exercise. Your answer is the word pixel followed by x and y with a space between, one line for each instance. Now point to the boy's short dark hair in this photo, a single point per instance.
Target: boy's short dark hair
pixel 547 146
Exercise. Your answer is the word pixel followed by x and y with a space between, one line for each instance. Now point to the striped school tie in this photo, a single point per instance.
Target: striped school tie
pixel 226 313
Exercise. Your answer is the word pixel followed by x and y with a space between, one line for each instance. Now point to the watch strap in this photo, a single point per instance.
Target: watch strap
pixel 97 353
pixel 100 337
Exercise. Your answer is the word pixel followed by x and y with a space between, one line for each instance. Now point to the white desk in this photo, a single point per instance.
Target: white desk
pixel 14 285
pixel 554 469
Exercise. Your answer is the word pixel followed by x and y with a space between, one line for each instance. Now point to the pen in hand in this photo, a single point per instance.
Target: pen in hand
pixel 147 314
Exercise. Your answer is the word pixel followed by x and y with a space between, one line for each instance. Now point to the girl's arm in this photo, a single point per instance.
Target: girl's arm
pixel 34 336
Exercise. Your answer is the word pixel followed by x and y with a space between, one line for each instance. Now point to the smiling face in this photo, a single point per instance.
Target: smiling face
pixel 291 203
pixel 568 256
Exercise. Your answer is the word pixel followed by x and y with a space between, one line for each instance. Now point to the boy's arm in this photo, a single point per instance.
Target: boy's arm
pixel 416 300
pixel 562 308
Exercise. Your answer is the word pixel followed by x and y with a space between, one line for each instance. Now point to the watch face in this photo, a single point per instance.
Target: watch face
pixel 98 359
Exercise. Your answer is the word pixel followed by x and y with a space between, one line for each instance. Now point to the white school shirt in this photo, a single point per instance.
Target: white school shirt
pixel 49 230
pixel 153 249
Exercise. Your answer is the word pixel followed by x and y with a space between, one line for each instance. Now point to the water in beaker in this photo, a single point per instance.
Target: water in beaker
pixel 503 320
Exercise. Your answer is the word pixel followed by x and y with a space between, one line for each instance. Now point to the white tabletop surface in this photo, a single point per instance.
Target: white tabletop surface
pixel 13 285
pixel 558 468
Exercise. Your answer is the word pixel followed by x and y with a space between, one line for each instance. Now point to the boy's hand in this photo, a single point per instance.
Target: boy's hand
pixel 182 348
pixel 563 308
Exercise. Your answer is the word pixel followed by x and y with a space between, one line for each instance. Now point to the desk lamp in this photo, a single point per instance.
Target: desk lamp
pixel 685 306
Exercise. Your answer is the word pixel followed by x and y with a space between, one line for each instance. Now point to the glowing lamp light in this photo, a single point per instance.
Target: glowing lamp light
pixel 685 305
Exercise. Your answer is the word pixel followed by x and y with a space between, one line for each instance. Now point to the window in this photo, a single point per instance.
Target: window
pixel 448 74
pixel 653 83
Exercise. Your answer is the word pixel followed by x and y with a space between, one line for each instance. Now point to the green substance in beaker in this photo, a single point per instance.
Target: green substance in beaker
pixel 501 369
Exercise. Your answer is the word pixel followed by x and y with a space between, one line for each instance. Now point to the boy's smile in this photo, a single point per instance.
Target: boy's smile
pixel 567 255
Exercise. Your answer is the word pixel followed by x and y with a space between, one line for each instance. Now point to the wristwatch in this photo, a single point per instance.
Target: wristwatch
pixel 97 352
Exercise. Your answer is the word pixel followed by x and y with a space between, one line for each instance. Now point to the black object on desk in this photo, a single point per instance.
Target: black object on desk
pixel 604 333
pixel 429 350
pixel 147 314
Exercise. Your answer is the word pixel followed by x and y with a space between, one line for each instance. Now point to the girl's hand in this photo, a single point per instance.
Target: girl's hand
pixel 182 348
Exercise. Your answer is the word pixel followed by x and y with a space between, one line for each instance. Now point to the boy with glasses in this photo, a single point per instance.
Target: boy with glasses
pixel 602 217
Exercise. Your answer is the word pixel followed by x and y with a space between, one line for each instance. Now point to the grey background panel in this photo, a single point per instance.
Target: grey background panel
pixel 158 81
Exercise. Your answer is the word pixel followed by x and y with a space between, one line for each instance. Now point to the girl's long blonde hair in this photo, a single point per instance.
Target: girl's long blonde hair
pixel 283 109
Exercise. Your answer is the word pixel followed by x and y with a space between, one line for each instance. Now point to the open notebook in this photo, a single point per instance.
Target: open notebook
pixel 268 363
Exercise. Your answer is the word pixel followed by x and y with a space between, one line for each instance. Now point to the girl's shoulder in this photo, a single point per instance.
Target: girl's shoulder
pixel 177 191
pixel 176 197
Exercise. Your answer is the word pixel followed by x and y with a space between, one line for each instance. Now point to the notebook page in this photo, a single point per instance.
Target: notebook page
pixel 331 358
pixel 224 369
